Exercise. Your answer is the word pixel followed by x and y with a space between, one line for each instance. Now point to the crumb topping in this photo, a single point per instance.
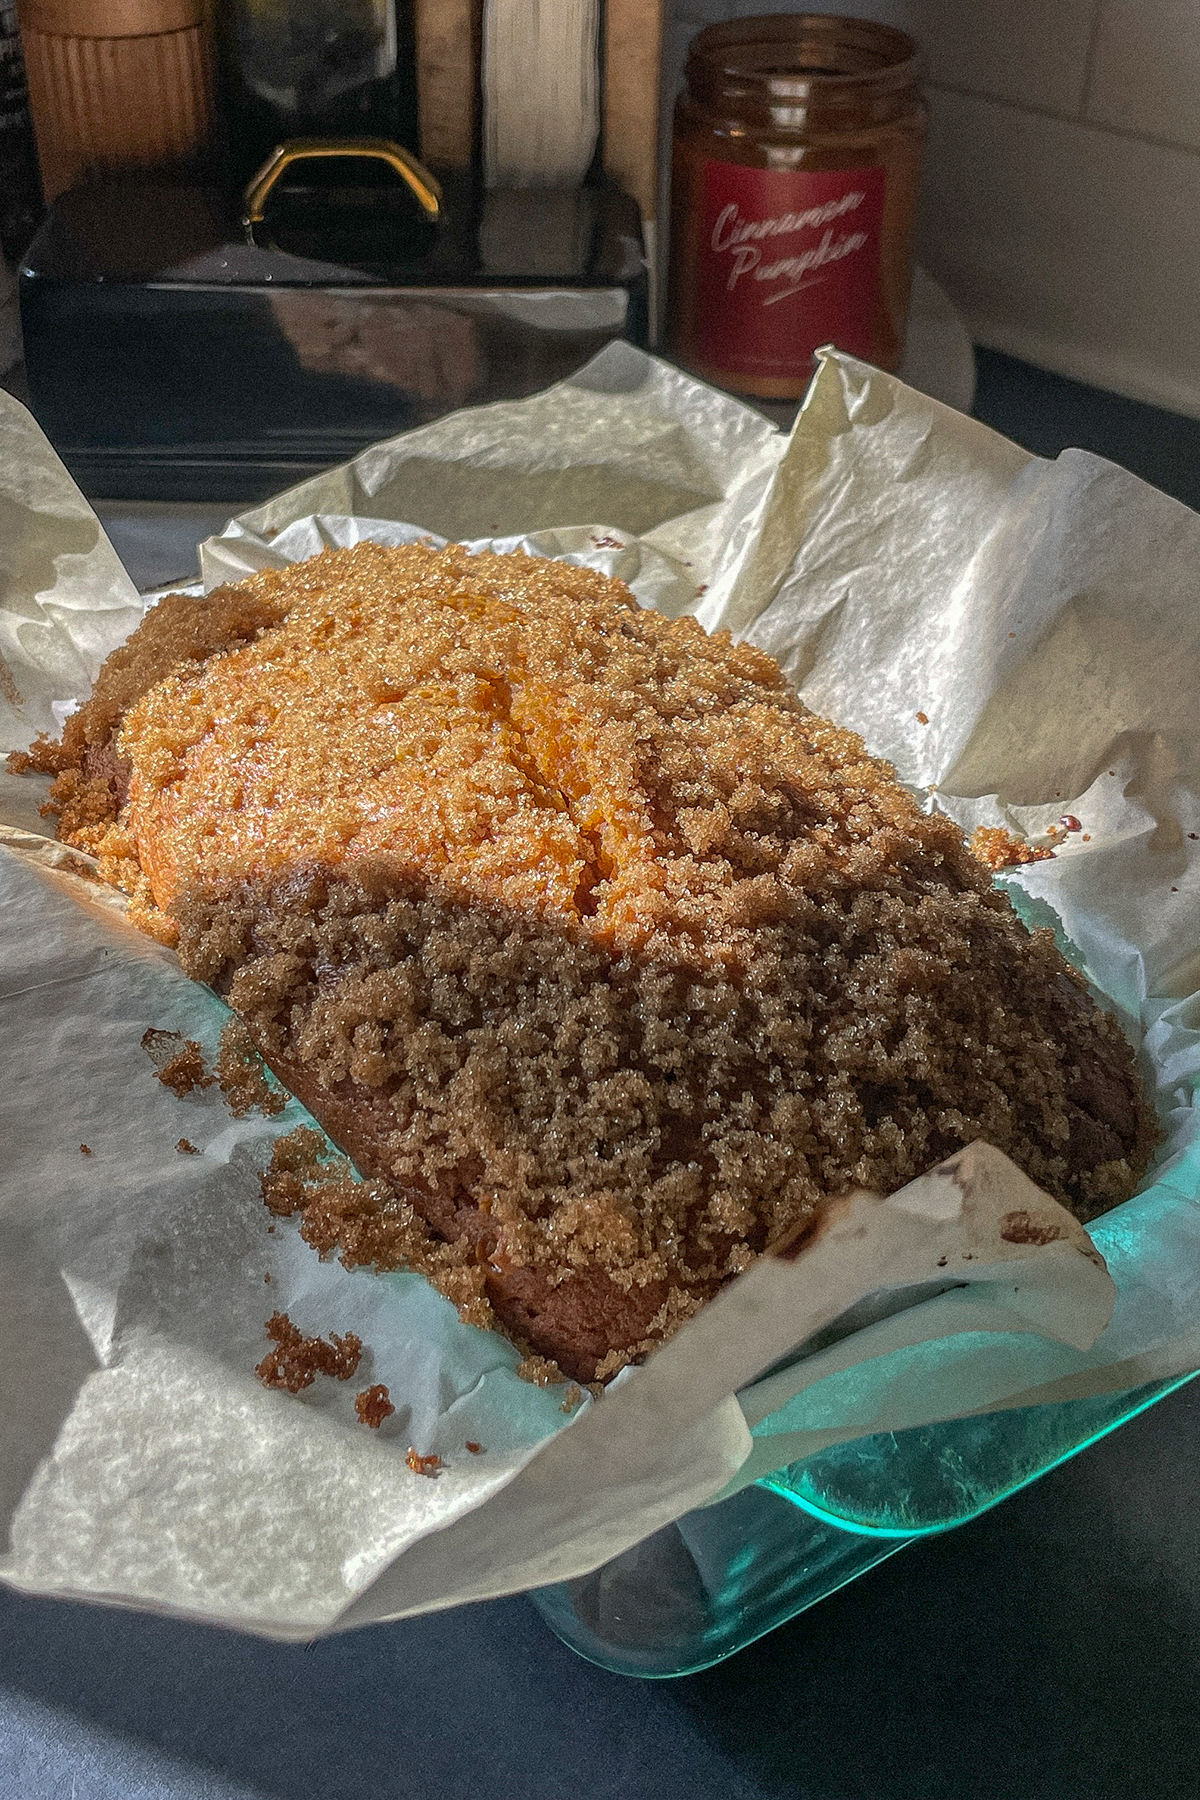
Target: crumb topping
pixel 1023 1227
pixel 541 1371
pixel 424 1465
pixel 998 848
pixel 296 1360
pixel 241 1076
pixel 374 1405
pixel 368 1223
pixel 518 729
pixel 178 1061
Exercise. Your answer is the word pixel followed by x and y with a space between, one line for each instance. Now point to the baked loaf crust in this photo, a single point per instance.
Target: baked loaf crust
pixel 603 958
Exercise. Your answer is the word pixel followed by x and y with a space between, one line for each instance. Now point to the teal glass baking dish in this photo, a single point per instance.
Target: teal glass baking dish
pixel 703 1588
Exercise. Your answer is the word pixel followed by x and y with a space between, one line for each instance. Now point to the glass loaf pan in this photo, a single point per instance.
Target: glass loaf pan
pixel 725 1575
pixel 708 1585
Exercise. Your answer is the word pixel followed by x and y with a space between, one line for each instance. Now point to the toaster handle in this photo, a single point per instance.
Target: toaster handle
pixel 415 176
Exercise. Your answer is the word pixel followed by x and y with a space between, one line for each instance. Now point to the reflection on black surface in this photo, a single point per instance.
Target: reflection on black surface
pixel 431 354
pixel 169 358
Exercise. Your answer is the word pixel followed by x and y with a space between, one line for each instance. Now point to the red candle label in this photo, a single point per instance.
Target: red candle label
pixel 789 260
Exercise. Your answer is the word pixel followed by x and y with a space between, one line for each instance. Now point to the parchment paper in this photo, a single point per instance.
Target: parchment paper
pixel 885 554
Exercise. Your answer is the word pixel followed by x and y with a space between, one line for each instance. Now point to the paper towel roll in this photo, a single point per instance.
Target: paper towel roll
pixel 541 100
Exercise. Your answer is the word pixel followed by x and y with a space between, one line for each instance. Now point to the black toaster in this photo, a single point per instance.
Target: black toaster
pixel 178 348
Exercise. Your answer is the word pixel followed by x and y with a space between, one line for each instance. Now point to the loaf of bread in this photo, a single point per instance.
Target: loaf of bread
pixel 604 959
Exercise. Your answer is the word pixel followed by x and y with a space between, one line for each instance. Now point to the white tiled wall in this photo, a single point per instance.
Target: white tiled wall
pixel 1062 196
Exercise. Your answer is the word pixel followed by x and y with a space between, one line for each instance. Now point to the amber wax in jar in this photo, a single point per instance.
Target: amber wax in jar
pixel 797 159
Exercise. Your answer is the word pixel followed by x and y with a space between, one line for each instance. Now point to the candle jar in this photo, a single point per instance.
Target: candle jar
pixel 797 160
pixel 117 84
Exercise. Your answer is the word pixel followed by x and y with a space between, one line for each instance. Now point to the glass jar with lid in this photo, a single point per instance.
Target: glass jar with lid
pixel 797 160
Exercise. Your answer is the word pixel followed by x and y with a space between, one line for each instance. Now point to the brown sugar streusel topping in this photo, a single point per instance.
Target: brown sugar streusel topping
pixel 604 958
pixel 296 1360
pixel 424 1465
pixel 374 1405
pixel 178 1061
pixel 998 848
pixel 241 1077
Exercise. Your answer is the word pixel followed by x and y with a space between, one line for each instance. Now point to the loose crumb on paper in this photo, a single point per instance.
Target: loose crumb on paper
pixel 186 1147
pixel 367 1222
pixel 998 848
pixel 474 1448
pixel 424 1465
pixel 1026 1228
pixel 297 1360
pixel 85 1149
pixel 243 1079
pixel 178 1061
pixel 922 718
pixel 77 865
pixel 374 1405
pixel 540 1370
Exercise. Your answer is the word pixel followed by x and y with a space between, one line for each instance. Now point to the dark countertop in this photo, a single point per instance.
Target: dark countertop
pixel 1049 1651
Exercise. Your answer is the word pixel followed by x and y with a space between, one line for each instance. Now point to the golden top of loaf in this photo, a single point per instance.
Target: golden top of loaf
pixel 519 730
pixel 605 959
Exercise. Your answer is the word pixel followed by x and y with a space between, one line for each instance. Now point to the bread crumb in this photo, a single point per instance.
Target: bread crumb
pixel 571 1398
pixel 186 1147
pixel 367 1222
pixel 85 1149
pixel 922 718
pixel 297 1360
pixel 424 1465
pixel 540 1370
pixel 998 848
pixel 243 1079
pixel 474 1448
pixel 374 1405
pixel 1026 1228
pixel 178 1061
pixel 78 865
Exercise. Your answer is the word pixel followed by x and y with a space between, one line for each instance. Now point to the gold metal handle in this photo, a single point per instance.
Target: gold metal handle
pixel 414 175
